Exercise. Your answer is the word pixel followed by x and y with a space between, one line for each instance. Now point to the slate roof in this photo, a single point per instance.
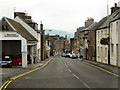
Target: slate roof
pixel 21 30
pixel 104 23
pixel 116 15
pixel 92 26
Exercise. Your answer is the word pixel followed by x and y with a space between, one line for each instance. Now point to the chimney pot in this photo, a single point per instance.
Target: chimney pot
pixel 115 4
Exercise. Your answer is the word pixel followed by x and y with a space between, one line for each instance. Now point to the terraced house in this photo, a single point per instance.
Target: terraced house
pixel 107 38
pixel 114 36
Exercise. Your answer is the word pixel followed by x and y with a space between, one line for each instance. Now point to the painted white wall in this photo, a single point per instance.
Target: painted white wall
pixel 118 64
pixel 3 37
pixel 27 27
pixel 102 50
pixel 39 40
pixel 119 4
pixel 114 41
pixel 119 43
pixel 24 53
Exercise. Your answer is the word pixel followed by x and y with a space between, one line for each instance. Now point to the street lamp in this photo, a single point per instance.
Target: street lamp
pixel 49 44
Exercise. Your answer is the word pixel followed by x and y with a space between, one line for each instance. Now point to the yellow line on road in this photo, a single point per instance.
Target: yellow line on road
pixel 102 69
pixel 4 86
pixel 7 84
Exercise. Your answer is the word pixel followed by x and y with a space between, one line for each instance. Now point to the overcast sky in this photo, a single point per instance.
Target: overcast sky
pixel 65 15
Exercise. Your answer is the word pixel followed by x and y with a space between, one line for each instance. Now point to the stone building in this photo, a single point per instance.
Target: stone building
pixel 71 44
pixel 85 37
pixel 57 44
pixel 92 41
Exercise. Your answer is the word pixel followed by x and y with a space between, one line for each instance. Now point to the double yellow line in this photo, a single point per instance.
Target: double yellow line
pixel 4 86
pixel 102 69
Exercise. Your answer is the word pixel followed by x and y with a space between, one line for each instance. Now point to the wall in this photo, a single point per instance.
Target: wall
pixel 101 50
pixel 113 44
pixel 91 45
pixel 119 43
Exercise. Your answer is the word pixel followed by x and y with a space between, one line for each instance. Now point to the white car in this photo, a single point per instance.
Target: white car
pixel 69 55
pixel 74 56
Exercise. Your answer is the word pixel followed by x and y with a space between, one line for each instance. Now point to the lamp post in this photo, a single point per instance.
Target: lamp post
pixel 50 51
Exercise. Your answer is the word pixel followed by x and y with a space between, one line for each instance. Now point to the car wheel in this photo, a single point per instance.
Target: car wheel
pixel 19 63
pixel 10 66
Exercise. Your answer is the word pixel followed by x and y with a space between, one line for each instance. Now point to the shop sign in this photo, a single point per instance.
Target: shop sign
pixel 11 35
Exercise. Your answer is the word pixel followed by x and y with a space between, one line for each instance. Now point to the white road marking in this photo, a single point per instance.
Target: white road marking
pixel 86 85
pixel 27 77
pixel 81 81
pixel 75 76
pixel 69 70
pixel 66 65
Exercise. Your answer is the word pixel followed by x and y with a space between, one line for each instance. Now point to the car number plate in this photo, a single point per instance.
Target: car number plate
pixel 3 63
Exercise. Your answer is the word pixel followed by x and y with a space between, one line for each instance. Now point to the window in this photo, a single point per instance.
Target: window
pixel 98 51
pixel 98 34
pixel 112 50
pixel 111 29
pixel 117 52
pixel 101 33
pixel 117 29
pixel 101 52
pixel 105 52
pixel 106 33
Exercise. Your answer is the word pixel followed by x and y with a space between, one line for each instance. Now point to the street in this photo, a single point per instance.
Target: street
pixel 66 73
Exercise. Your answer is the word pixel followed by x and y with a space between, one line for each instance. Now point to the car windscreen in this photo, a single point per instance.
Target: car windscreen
pixel 6 59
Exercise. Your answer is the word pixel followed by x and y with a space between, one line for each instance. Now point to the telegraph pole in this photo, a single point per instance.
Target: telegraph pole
pixel 42 44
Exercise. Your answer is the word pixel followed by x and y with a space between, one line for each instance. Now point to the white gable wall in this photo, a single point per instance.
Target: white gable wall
pixel 27 27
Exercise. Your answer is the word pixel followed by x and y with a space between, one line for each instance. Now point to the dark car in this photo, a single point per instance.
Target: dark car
pixel 6 61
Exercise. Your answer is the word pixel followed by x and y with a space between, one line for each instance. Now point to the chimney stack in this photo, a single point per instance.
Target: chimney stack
pixel 88 22
pixel 41 26
pixel 115 8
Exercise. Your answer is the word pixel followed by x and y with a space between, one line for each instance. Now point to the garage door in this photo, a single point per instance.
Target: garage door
pixel 11 47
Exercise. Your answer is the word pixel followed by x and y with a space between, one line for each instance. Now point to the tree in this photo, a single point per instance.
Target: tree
pixel 104 41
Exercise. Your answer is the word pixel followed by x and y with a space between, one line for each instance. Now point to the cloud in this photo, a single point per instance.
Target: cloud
pixel 66 15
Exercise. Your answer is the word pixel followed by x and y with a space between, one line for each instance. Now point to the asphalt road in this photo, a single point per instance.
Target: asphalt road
pixel 66 73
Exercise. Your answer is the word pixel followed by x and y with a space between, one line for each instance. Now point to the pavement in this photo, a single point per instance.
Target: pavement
pixel 6 73
pixel 110 68
pixel 64 73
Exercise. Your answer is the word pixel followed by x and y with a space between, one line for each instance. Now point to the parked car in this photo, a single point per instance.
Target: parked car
pixel 69 55
pixel 74 56
pixel 17 60
pixel 78 55
pixel 46 56
pixel 6 61
pixel 63 55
